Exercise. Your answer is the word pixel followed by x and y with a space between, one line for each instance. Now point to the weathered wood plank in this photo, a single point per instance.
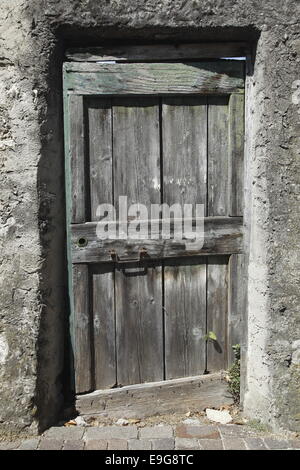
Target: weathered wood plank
pixel 82 327
pixel 138 294
pixel 236 154
pixel 104 326
pixel 222 235
pixel 100 152
pixel 139 401
pixel 184 144
pixel 157 52
pixel 236 303
pixel 185 317
pixel 136 150
pixel 217 292
pixel 155 78
pixel 139 324
pixel 217 156
pixel 77 156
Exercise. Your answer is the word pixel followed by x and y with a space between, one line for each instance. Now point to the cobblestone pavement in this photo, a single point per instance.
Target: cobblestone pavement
pixel 181 436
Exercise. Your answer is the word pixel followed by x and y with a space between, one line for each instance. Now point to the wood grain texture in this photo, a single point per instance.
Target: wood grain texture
pixel 158 52
pixel 138 294
pixel 236 304
pixel 155 78
pixel 104 326
pixel 222 235
pixel 184 144
pixel 185 317
pixel 194 146
pixel 190 394
pixel 218 185
pixel 77 156
pixel 100 152
pixel 82 327
pixel 139 324
pixel 136 150
pixel 236 154
pixel 217 298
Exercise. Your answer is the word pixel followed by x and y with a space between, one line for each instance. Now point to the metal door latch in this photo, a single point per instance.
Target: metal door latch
pixel 117 259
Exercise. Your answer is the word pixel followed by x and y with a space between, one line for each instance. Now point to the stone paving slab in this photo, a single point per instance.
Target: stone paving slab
pixel 156 432
pixel 117 444
pixel 255 443
pixel 112 432
pixel 200 432
pixel 139 444
pixel 29 444
pixel 234 444
pixel 235 430
pixel 96 444
pixel 211 444
pixel 182 443
pixel 51 444
pixel 64 433
pixel 275 443
pixel 74 445
pixel 163 444
pixel 184 436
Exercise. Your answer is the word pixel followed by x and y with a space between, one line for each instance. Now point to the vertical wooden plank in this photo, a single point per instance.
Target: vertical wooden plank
pixel 77 146
pixel 217 292
pixel 136 148
pixel 184 144
pixel 217 205
pixel 185 318
pixel 82 349
pixel 136 154
pixel 217 156
pixel 100 152
pixel 68 194
pixel 236 154
pixel 101 191
pixel 236 304
pixel 104 331
pixel 139 325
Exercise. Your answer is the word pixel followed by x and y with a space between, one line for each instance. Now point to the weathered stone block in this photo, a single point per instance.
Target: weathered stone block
pixel 200 432
pixel 139 444
pixel 51 444
pixel 112 432
pixel 156 432
pixel 186 444
pixel 163 444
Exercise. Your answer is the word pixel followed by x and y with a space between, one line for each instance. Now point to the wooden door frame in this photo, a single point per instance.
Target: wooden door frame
pixel 137 54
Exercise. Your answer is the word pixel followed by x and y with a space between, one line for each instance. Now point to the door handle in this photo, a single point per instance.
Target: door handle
pixel 118 260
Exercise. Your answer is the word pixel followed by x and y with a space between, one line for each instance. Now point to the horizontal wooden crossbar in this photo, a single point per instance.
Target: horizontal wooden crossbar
pixel 222 235
pixel 222 77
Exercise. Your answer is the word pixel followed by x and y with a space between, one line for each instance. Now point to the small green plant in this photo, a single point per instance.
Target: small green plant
pixel 210 336
pixel 234 374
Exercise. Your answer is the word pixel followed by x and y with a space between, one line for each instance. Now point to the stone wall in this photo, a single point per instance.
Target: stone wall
pixel 33 314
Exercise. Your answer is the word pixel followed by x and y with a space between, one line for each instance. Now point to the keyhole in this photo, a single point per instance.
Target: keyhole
pixel 81 242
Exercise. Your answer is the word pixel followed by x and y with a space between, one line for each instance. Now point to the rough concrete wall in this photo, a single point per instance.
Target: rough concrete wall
pixel 33 34
pixel 32 208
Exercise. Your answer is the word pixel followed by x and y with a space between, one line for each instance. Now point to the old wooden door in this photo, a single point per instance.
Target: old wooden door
pixel 156 133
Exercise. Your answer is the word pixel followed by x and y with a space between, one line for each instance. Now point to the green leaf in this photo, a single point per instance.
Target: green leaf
pixel 210 335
